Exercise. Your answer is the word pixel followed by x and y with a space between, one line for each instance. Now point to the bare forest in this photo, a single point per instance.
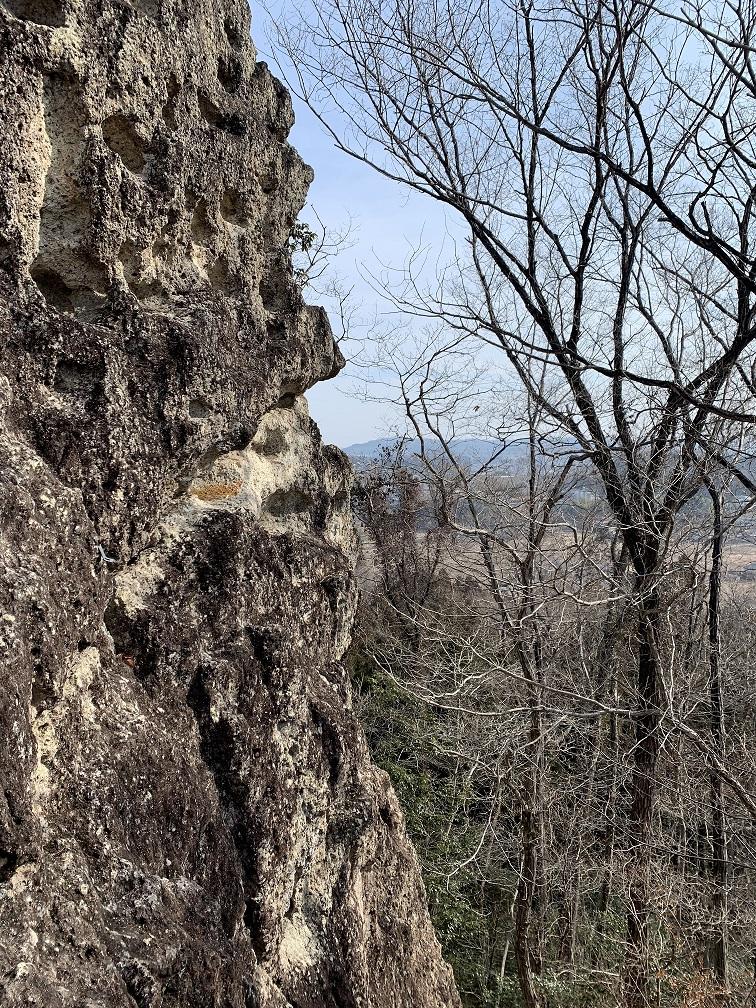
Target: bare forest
pixel 557 642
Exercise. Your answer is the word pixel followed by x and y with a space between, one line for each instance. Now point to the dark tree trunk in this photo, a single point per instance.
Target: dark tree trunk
pixel 720 871
pixel 638 973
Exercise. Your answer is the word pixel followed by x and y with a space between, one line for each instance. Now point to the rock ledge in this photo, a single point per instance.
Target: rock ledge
pixel 188 812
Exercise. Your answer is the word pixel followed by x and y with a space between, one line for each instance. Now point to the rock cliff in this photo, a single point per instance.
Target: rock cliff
pixel 188 812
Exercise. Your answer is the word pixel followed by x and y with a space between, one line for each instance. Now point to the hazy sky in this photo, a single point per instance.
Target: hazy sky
pixel 388 221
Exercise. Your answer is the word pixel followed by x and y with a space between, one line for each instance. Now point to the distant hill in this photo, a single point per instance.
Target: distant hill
pixel 473 451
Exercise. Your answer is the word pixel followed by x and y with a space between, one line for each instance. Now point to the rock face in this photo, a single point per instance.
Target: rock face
pixel 188 813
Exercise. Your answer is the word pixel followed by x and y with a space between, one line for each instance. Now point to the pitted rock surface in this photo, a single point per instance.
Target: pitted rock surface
pixel 188 812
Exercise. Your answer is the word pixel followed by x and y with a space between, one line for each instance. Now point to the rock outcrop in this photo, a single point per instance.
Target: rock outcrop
pixel 188 812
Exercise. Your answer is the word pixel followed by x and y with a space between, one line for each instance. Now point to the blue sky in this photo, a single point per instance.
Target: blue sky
pixel 387 221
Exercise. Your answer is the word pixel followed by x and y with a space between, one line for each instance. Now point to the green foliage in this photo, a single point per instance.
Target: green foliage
pixel 406 737
pixel 303 247
pixel 302 237
pixel 470 915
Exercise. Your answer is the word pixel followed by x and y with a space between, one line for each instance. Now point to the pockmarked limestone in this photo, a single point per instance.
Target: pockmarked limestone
pixel 188 812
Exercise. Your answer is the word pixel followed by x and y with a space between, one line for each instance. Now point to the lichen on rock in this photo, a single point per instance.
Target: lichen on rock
pixel 188 812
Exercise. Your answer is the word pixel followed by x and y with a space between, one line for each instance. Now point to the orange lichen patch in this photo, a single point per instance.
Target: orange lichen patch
pixel 217 491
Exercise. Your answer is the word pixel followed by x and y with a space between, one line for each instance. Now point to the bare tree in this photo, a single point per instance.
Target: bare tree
pixel 600 156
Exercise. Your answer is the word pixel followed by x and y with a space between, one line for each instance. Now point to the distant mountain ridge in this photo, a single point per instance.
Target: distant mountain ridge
pixel 470 450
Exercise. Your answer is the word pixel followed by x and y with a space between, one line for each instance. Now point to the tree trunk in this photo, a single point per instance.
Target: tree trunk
pixel 524 908
pixel 529 890
pixel 644 786
pixel 718 950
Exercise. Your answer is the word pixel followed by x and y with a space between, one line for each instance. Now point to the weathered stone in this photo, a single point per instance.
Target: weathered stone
pixel 188 813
